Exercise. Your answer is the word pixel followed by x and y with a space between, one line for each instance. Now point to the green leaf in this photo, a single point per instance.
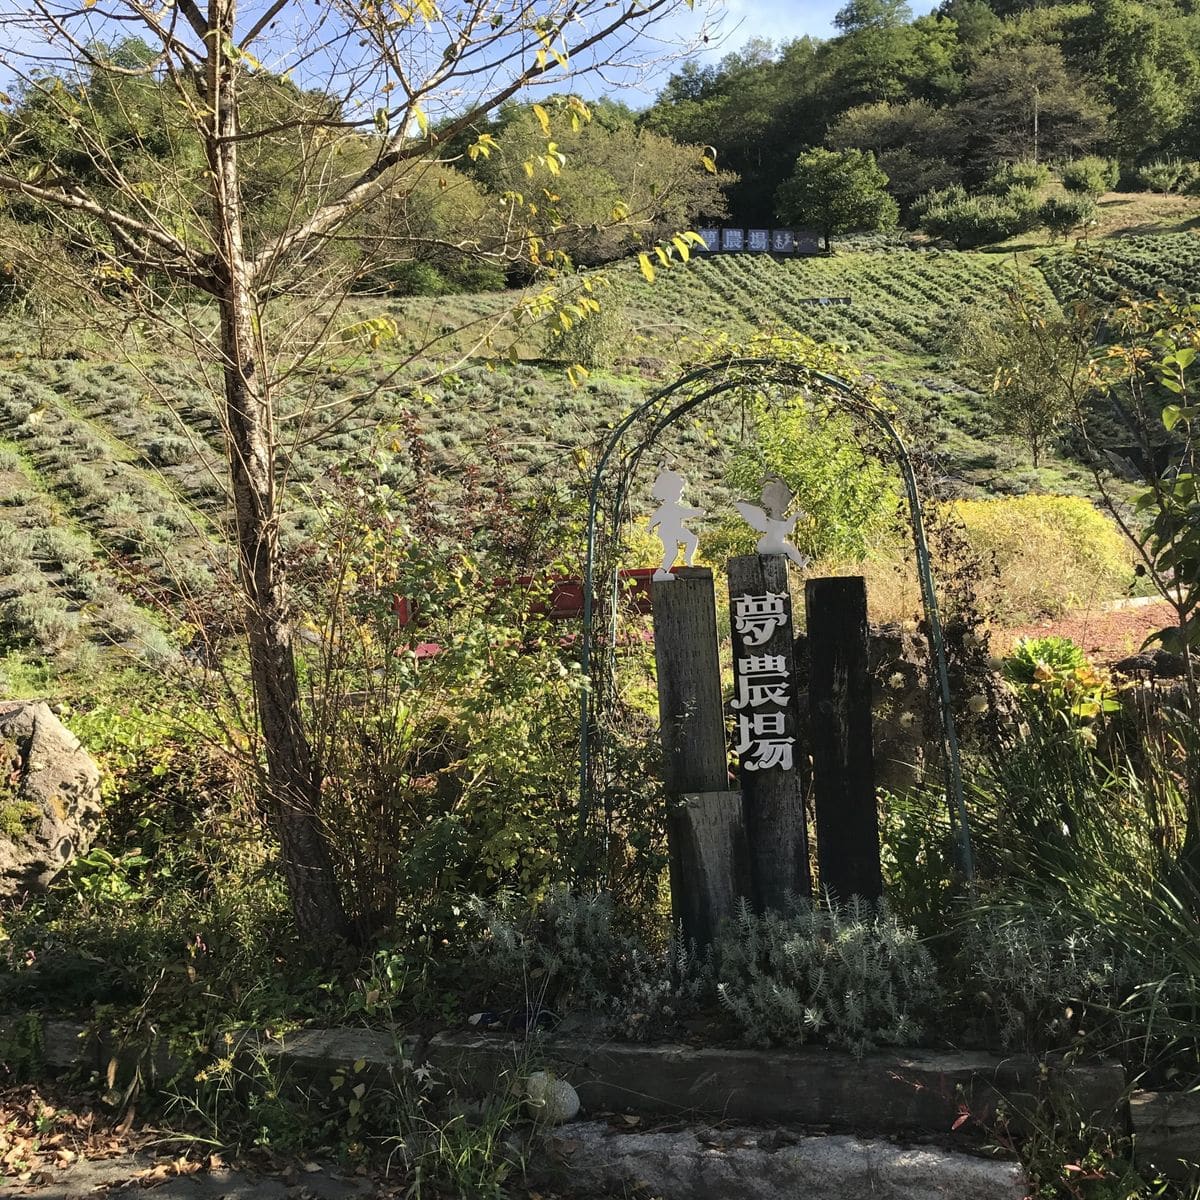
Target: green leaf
pixel 1171 415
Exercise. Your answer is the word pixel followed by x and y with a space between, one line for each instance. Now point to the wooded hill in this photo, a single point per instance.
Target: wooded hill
pixel 945 98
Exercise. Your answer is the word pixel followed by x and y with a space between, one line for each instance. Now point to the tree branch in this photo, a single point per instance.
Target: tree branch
pixel 187 264
pixel 373 181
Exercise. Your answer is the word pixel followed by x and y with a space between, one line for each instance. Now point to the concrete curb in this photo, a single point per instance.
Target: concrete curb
pixel 748 1164
pixel 913 1092
pixel 897 1092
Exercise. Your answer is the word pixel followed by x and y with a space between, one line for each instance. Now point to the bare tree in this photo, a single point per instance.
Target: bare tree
pixel 376 89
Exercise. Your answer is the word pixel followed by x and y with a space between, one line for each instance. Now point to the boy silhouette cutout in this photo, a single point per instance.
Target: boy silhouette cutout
pixel 669 519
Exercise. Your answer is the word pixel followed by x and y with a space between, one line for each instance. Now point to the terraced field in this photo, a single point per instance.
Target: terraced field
pixel 1145 266
pixel 111 489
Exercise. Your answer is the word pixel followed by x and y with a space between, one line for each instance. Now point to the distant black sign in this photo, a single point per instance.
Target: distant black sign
pixel 760 241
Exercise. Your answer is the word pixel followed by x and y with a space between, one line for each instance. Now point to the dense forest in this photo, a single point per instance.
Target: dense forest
pixel 946 97
pixel 940 103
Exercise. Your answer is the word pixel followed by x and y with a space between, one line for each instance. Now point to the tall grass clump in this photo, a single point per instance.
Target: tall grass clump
pixel 1086 928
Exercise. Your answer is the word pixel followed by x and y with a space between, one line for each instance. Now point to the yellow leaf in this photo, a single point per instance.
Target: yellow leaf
pixel 543 118
pixel 647 268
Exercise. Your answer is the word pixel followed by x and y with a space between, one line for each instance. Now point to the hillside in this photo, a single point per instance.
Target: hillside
pixel 111 503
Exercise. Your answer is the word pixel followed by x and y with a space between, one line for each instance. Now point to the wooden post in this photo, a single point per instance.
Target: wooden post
pixel 707 841
pixel 839 703
pixel 764 704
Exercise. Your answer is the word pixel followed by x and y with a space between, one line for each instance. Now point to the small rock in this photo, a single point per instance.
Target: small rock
pixel 553 1100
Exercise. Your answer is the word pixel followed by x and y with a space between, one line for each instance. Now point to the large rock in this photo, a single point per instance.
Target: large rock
pixel 49 797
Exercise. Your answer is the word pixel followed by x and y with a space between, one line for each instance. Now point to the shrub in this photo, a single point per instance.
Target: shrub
pixel 1164 175
pixel 1034 974
pixel 16 548
pixel 62 546
pixel 1054 677
pixel 1051 552
pixel 1062 214
pixel 46 619
pixel 1023 201
pixel 847 498
pixel 595 337
pixel 169 450
pixel 472 276
pixel 411 277
pixel 1007 176
pixel 1090 176
pixel 973 221
pixel 570 953
pixel 852 975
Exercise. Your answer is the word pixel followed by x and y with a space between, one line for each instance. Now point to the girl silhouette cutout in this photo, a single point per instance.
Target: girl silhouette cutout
pixel 669 519
pixel 771 522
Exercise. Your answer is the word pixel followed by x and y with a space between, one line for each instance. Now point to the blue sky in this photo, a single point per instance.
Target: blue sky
pixel 776 20
pixel 730 23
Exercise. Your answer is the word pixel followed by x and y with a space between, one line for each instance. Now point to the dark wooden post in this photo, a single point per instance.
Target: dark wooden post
pixel 707 841
pixel 764 704
pixel 839 703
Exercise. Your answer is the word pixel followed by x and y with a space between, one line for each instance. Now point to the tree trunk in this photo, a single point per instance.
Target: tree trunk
pixel 293 790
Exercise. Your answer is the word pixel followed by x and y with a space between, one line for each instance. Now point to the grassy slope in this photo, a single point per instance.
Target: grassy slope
pixel 92 450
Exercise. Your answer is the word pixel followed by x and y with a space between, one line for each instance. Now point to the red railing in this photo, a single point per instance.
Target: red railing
pixel 556 599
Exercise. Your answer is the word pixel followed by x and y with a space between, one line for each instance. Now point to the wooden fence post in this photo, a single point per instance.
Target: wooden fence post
pixel 707 840
pixel 765 706
pixel 839 702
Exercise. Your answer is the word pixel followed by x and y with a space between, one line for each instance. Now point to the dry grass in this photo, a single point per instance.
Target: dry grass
pixel 1039 556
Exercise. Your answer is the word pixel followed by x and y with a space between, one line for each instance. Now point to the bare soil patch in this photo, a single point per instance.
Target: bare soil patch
pixel 1105 634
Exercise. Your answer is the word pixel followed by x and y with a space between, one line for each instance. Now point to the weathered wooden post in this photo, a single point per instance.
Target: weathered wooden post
pixel 839 703
pixel 707 840
pixel 764 702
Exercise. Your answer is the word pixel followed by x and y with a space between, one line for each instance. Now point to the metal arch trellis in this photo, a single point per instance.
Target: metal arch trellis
pixel 675 401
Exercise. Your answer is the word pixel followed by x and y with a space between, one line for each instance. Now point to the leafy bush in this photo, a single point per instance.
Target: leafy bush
pixel 169 450
pixel 1052 552
pixel 472 276
pixel 852 975
pixel 972 221
pixel 1062 214
pixel 1026 175
pixel 1025 207
pixel 1054 675
pixel 45 619
pixel 594 337
pixel 1090 175
pixel 1035 973
pixel 846 496
pixel 1165 175
pixel 569 953
pixel 411 277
